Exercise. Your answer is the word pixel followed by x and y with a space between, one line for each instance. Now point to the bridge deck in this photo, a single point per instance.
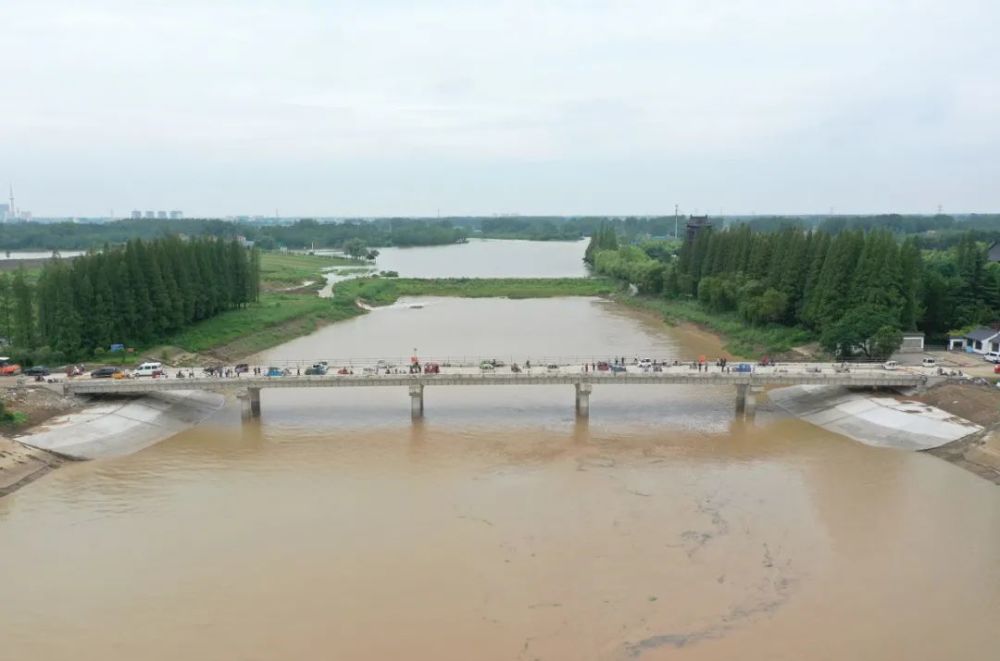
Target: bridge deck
pixel 865 378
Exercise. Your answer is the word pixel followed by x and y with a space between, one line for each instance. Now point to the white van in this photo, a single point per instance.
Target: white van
pixel 890 365
pixel 149 369
pixel 992 356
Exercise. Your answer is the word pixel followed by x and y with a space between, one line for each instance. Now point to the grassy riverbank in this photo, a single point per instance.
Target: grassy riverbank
pixel 740 338
pixel 283 270
pixel 277 318
pixel 385 291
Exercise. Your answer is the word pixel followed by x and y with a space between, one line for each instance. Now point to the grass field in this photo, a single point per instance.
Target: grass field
pixel 285 269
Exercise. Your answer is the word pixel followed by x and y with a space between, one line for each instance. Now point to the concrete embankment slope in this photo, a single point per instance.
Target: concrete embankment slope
pixel 120 427
pixel 876 421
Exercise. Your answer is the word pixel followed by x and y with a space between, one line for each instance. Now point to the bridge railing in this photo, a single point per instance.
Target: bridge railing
pixel 541 360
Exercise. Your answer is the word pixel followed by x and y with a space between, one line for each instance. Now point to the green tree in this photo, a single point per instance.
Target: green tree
pixel 23 327
pixel 855 332
pixel 355 248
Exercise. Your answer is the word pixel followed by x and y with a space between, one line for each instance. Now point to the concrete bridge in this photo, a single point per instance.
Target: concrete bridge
pixel 746 384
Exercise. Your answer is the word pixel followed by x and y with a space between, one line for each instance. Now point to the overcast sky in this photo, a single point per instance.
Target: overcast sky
pixel 385 107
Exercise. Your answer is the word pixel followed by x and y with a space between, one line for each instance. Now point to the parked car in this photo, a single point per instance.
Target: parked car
pixel 992 356
pixel 928 362
pixel 432 368
pixel 645 363
pixel 275 371
pixel 105 372
pixel 615 368
pixel 317 369
pixel 151 368
pixel 890 365
pixel 9 367
pixel 242 368
pixel 37 370
pixel 742 367
pixel 486 366
pixel 552 367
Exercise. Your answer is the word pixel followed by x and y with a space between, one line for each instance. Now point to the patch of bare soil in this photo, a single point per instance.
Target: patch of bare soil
pixel 20 465
pixel 980 404
pixel 37 402
pixel 978 453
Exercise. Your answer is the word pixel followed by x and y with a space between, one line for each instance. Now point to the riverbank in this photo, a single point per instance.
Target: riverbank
pixel 739 338
pixel 283 316
pixel 19 464
pixel 978 453
pixel 955 421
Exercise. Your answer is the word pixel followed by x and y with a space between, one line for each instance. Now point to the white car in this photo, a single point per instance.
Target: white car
pixel 992 356
pixel 890 365
pixel 149 369
pixel 645 363
pixel 928 362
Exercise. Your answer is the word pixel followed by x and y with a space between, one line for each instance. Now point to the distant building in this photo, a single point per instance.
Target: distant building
pixel 162 215
pixel 136 214
pixel 696 225
pixel 4 211
pixel 913 341
pixel 175 215
pixel 979 340
pixel 150 214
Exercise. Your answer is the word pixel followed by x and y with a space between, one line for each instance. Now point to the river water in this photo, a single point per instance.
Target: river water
pixel 500 527
pixel 488 258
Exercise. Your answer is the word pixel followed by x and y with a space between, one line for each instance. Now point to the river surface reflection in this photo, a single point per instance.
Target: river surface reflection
pixel 500 527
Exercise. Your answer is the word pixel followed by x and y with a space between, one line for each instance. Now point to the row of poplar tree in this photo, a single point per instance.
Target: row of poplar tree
pixel 134 294
pixel 846 287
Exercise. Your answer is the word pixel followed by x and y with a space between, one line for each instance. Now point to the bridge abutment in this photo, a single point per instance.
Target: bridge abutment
pixel 583 391
pixel 417 401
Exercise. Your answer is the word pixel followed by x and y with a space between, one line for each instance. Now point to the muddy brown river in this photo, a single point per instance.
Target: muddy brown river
pixel 500 527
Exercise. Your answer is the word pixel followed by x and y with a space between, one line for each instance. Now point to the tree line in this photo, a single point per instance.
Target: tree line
pixel 301 234
pixel 135 294
pixel 855 290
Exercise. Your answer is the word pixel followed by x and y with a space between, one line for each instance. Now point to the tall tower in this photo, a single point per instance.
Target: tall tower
pixel 12 211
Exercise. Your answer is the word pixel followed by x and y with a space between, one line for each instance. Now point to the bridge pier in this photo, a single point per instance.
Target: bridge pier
pixel 254 397
pixel 741 399
pixel 250 401
pixel 746 401
pixel 417 401
pixel 583 391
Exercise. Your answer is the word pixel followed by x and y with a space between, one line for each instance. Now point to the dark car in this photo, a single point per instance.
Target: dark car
pixel 104 372
pixel 37 370
pixel 242 368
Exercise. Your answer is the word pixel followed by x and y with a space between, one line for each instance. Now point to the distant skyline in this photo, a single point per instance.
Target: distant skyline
pixel 385 107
